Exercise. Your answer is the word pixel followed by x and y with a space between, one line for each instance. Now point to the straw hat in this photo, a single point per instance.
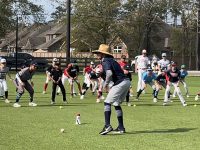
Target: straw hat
pixel 104 49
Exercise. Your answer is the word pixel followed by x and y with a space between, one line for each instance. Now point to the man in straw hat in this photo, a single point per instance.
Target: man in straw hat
pixel 117 93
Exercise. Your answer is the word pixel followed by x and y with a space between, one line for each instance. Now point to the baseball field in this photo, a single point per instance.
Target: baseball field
pixel 149 126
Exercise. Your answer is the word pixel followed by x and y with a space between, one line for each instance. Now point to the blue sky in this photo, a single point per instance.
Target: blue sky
pixel 47 5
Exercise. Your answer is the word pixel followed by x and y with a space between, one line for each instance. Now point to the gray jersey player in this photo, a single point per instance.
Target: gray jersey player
pixel 21 82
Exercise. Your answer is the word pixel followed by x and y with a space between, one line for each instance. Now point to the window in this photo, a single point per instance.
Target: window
pixel 117 49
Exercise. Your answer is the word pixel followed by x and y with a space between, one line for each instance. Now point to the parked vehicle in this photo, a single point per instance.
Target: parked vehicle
pixel 24 59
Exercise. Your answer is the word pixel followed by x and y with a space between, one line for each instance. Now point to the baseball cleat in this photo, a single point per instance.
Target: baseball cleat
pixel 196 98
pixel 16 105
pixel 119 131
pixel 7 101
pixel 155 100
pixel 106 130
pixel 32 104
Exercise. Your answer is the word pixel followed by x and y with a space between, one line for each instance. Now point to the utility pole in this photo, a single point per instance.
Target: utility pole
pixel 16 43
pixel 198 37
pixel 68 31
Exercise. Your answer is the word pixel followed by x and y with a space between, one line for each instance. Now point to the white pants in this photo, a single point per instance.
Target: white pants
pixel 185 87
pixel 3 87
pixel 87 80
pixel 95 84
pixel 140 72
pixel 47 79
pixel 177 89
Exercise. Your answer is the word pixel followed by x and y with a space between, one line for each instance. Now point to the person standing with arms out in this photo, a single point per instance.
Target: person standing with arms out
pixel 117 93
pixel 184 73
pixel 21 83
pixel 48 72
pixel 173 78
pixel 142 63
pixel 3 72
pixel 55 76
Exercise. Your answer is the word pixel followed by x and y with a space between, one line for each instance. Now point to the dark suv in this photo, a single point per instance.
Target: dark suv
pixel 24 59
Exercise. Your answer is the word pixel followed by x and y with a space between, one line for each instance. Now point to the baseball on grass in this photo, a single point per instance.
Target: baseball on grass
pixel 195 105
pixel 134 105
pixel 61 107
pixel 62 130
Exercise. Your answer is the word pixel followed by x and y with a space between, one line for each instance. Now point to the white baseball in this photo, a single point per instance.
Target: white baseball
pixel 62 130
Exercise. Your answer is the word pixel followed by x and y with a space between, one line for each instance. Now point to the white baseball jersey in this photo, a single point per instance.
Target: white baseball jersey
pixel 163 63
pixel 142 62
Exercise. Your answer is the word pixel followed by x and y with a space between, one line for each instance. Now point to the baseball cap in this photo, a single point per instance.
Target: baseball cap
pixel 164 54
pixel 127 67
pixel 182 66
pixel 3 60
pixel 55 59
pixel 144 51
pixel 174 64
pixel 163 69
pixel 34 63
pixel 149 69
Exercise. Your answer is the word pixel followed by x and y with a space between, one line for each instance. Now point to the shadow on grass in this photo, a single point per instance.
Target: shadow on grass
pixel 177 130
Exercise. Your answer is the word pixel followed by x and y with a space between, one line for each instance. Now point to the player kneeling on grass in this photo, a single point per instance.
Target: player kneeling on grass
pixel 21 83
pixel 173 78
pixel 117 93
pixel 148 78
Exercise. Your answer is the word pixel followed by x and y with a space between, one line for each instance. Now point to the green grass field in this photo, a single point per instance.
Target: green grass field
pixel 149 126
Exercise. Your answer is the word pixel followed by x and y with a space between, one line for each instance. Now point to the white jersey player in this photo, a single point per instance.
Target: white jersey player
pixel 142 63
pixel 164 62
pixel 3 84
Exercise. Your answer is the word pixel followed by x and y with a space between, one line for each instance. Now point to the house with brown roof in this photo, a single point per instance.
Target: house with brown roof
pixel 44 36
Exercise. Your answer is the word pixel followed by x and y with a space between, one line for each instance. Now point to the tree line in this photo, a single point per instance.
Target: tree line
pixel 136 22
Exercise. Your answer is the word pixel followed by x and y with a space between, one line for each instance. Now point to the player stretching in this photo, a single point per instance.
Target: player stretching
pixel 173 78
pixel 72 74
pixel 184 73
pixel 148 78
pixel 21 83
pixel 48 72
